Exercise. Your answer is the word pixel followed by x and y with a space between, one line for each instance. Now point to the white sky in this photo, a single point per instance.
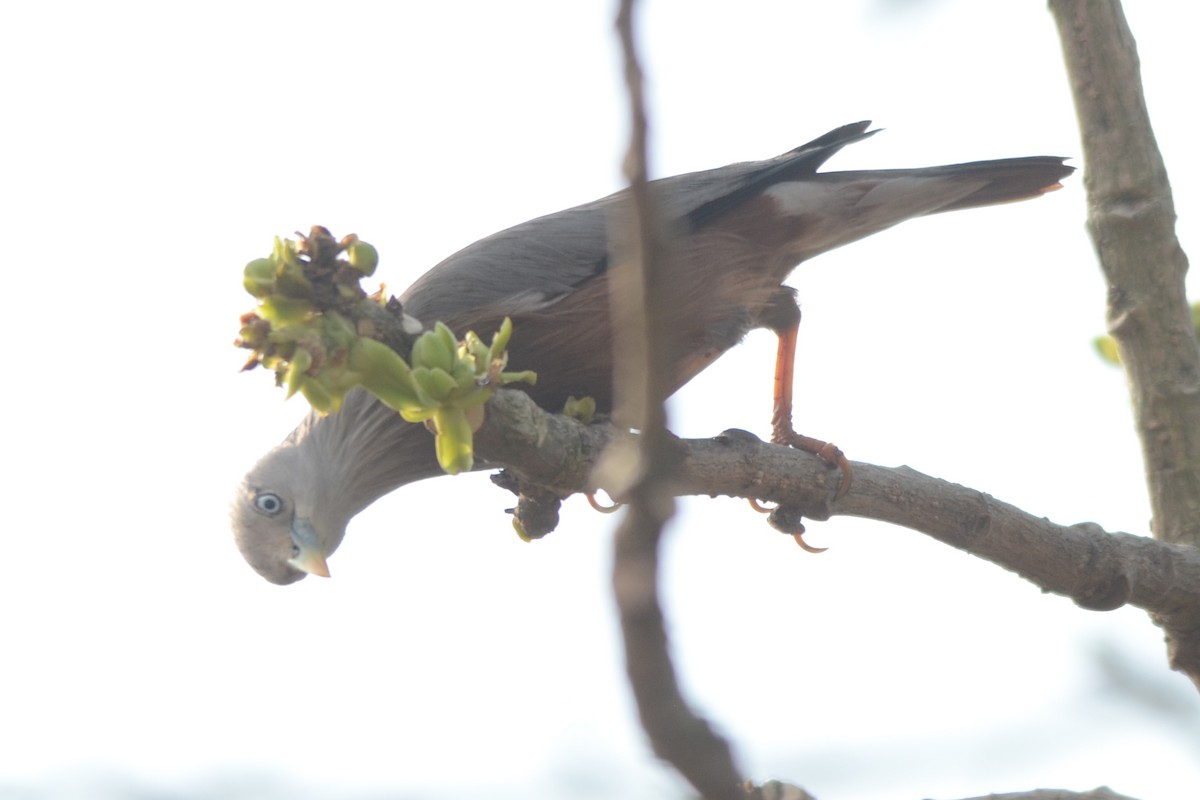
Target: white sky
pixel 152 149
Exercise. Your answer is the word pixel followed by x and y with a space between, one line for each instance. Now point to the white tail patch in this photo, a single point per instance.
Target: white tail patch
pixel 836 212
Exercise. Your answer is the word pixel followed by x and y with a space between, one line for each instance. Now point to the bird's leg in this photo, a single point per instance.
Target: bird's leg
pixel 783 317
pixel 782 431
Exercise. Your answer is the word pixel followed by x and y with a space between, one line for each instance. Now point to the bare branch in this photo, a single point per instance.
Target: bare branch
pixel 1132 221
pixel 1096 569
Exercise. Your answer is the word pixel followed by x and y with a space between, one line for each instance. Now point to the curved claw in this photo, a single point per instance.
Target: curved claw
pixel 805 546
pixel 786 519
pixel 759 507
pixel 840 461
pixel 594 503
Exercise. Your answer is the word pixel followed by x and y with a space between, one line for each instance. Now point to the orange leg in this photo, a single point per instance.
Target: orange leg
pixel 781 416
pixel 783 433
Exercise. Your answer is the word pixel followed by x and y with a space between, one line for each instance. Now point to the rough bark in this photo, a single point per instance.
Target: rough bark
pixel 1131 218
pixel 1097 569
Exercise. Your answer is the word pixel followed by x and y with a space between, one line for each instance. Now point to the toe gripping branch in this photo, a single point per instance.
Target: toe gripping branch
pixel 782 432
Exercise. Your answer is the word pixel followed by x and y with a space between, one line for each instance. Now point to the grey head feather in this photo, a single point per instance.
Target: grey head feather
pixel 326 471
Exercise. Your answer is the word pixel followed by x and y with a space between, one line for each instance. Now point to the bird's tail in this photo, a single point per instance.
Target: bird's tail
pixel 831 209
pixel 1004 180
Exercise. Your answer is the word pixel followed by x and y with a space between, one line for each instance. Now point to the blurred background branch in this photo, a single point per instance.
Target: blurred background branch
pixel 637 288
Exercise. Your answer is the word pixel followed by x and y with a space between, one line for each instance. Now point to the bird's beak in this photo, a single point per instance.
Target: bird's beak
pixel 311 557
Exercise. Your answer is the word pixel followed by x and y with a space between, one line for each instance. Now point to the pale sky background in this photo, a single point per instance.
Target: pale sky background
pixel 152 149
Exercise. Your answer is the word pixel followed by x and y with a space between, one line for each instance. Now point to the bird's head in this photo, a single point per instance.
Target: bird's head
pixel 282 523
pixel 291 510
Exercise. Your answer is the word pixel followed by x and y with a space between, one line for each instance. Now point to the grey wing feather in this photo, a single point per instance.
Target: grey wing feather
pixel 534 264
pixel 519 269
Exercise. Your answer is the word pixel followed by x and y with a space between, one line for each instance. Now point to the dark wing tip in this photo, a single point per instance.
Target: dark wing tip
pixel 839 137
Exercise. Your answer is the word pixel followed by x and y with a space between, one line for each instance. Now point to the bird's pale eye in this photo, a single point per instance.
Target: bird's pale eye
pixel 268 503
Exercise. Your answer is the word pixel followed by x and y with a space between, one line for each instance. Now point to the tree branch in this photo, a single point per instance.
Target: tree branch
pixel 1131 216
pixel 1098 570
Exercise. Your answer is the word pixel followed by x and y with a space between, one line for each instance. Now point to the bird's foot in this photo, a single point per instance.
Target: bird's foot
pixel 596 504
pixel 786 519
pixel 827 451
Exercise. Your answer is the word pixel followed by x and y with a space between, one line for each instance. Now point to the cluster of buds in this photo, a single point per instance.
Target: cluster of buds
pixel 300 328
pixel 448 384
pixel 306 329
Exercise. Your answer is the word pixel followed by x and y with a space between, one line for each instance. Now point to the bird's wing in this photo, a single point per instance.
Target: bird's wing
pixel 533 265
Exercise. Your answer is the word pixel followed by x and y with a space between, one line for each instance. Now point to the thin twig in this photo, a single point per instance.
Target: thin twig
pixel 676 733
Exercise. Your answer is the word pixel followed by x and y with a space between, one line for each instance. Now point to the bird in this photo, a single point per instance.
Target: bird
pixel 739 231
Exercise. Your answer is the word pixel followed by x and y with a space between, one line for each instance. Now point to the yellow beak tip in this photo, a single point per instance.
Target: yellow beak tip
pixel 312 563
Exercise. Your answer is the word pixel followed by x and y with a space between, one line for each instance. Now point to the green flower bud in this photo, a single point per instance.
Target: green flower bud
pixel 363 257
pixel 464 373
pixel 430 350
pixel 296 368
pixel 437 383
pixel 582 409
pixel 258 277
pixel 281 311
pixel 319 397
pixel 384 374
pixel 455 448
pixel 500 340
pixel 291 282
